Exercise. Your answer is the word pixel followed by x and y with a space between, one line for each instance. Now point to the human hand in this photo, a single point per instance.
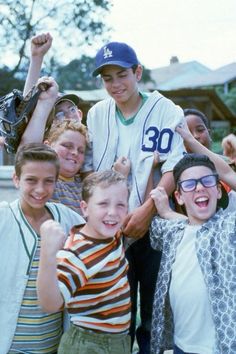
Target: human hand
pixel 122 165
pixel 53 238
pixel 137 222
pixel 229 147
pixel 49 88
pixel 161 200
pixel 40 44
pixel 183 130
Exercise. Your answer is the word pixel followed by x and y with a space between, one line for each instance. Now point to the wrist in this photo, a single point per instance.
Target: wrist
pixel 150 205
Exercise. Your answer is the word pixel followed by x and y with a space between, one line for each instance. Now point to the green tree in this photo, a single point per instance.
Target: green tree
pixel 77 75
pixel 228 98
pixel 73 23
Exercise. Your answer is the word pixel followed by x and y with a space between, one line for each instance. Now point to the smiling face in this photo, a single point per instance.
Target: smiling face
pixel 105 210
pixel 36 184
pixel 201 203
pixel 199 130
pixel 120 83
pixel 70 147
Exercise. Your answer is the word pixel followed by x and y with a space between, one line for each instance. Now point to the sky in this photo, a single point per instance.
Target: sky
pixel 202 30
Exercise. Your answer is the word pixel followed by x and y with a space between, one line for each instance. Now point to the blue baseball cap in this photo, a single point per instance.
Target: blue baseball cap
pixel 115 53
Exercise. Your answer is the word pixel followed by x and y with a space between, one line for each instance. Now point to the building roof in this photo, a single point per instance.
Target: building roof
pixel 192 75
pixel 221 76
pixel 177 74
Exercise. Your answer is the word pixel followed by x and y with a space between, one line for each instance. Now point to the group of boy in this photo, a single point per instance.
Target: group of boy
pixel 87 273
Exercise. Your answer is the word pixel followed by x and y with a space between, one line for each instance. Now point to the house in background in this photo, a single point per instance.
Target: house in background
pixel 188 84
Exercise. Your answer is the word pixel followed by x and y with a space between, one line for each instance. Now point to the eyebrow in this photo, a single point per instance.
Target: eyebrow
pixel 119 72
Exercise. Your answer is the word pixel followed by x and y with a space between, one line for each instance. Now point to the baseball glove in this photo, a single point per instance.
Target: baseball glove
pixel 15 114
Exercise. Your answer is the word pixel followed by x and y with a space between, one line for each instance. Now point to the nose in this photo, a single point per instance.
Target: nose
pixel 74 151
pixel 199 186
pixel 196 135
pixel 115 82
pixel 111 210
pixel 39 187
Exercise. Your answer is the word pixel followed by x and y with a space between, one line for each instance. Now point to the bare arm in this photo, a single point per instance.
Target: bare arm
pixel 35 130
pixel 161 201
pixel 225 172
pixel 40 45
pixel 137 222
pixel 52 239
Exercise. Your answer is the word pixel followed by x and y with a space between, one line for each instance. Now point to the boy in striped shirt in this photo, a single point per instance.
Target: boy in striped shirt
pixel 89 275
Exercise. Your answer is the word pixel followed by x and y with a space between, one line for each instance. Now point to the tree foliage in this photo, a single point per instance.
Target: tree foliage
pixel 77 75
pixel 73 23
pixel 228 98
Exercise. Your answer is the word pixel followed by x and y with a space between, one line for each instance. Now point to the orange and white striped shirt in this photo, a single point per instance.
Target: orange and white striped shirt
pixel 93 280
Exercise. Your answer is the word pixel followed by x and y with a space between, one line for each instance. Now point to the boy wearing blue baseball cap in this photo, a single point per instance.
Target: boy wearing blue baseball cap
pixel 134 125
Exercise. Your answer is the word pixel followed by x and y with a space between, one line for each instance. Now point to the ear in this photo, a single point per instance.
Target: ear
pixel 219 188
pixel 84 208
pixel 139 72
pixel 80 113
pixel 178 197
pixel 16 180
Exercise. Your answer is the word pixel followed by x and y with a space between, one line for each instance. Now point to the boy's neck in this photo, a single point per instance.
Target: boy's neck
pixel 86 231
pixel 130 107
pixel 36 217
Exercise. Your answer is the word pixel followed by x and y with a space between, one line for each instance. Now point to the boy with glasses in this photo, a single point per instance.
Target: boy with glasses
pixel 194 303
pixel 67 107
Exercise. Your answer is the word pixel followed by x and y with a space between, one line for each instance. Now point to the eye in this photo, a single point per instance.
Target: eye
pixel 67 145
pixel 73 109
pixel 81 151
pixel 102 203
pixel 30 179
pixel 123 75
pixel 60 115
pixel 121 205
pixel 50 181
pixel 106 79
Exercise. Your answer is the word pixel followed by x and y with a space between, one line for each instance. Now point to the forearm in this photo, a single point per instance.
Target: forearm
pixel 50 298
pixel 33 73
pixel 167 182
pixel 225 172
pixel 35 129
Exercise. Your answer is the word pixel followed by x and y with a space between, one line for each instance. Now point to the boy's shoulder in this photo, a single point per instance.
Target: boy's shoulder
pixel 65 214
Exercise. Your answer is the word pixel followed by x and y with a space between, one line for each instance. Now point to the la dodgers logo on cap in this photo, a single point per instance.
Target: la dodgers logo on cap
pixel 107 53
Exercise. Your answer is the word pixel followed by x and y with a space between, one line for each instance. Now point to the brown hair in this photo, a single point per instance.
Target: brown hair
pixel 35 152
pixel 102 179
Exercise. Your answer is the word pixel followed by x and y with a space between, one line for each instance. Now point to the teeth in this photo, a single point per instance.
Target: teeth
pixel 110 222
pixel 201 199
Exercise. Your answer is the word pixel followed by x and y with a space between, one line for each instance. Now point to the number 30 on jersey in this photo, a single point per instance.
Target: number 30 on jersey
pixel 157 140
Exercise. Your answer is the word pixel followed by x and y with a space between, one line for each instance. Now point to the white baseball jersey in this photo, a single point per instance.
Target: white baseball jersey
pixel 153 130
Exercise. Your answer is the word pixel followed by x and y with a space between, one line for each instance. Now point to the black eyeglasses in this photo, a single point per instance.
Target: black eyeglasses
pixel 189 185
